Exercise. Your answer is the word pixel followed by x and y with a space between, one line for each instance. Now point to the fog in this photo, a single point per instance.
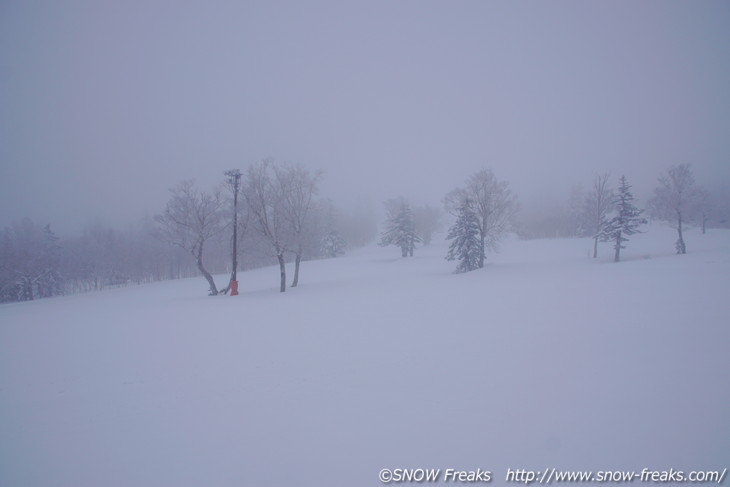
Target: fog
pixel 105 105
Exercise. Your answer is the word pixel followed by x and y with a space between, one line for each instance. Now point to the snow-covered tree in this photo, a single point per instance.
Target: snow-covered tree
pixel 30 262
pixel 25 252
pixel 265 198
pixel 494 204
pixel 332 244
pixel 298 186
pixel 627 220
pixel 705 207
pixel 49 281
pixel 6 269
pixel 400 228
pixel 597 206
pixel 677 199
pixel 466 245
pixel 190 219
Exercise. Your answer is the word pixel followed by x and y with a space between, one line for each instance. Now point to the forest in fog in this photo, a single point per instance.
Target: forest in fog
pixel 282 217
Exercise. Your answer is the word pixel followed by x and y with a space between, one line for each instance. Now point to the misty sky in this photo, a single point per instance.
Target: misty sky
pixel 105 105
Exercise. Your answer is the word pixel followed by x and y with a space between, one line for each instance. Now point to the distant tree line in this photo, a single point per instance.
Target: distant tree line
pixel 36 263
pixel 281 220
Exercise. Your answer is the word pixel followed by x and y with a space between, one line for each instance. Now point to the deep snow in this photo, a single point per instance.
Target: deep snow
pixel 545 358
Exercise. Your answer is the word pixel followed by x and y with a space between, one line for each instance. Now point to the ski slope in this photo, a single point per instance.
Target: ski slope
pixel 545 358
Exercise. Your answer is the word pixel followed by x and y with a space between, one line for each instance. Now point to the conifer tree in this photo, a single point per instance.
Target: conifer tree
pixel 49 280
pixel 332 244
pixel 466 245
pixel 494 205
pixel 401 230
pixel 627 220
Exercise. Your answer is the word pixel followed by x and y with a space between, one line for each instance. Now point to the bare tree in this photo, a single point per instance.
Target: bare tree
pixel 676 199
pixel 297 186
pixel 30 262
pixel 598 204
pixel 191 218
pixel 266 201
pixel 493 202
pixel 705 207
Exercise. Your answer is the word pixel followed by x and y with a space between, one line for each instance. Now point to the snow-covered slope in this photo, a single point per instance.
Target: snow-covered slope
pixel 544 358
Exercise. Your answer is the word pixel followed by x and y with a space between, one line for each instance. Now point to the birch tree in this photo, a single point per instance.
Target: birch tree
pixel 265 199
pixel 598 204
pixel 676 200
pixel 191 218
pixel 297 186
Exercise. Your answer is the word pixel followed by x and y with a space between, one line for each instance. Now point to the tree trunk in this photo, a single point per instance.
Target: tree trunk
pixel 27 289
pixel 595 246
pixel 481 249
pixel 202 269
pixel 297 260
pixel 681 248
pixel 282 269
pixel 617 246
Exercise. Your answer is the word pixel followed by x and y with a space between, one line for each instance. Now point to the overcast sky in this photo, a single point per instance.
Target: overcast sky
pixel 104 105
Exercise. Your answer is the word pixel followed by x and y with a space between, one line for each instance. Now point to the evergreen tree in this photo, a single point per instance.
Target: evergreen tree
pixel 329 240
pixel 627 220
pixel 332 244
pixel 494 205
pixel 401 230
pixel 466 245
pixel 48 280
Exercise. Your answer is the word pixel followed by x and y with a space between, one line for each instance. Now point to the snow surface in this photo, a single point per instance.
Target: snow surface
pixel 544 358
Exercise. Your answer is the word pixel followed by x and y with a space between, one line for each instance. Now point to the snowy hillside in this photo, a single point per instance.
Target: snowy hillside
pixel 545 358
